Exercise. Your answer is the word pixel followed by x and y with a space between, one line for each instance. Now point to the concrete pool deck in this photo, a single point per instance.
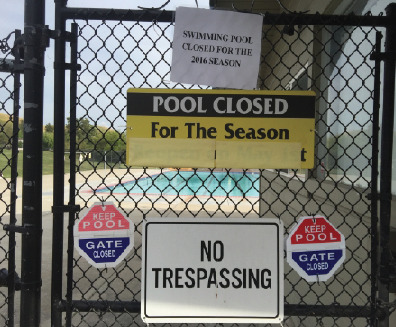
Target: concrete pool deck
pixel 88 180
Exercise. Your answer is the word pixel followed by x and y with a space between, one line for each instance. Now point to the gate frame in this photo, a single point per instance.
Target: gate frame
pixel 63 13
pixel 385 195
pixel 34 42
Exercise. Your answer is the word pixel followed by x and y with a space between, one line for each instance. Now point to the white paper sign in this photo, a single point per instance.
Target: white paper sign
pixel 216 48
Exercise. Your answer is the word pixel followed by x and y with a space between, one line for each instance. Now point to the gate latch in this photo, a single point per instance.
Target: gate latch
pixel 22 229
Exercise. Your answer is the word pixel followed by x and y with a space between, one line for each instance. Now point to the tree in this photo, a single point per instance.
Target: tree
pixel 85 133
pixel 48 141
pixel 90 137
pixel 6 133
pixel 20 125
pixel 110 140
pixel 49 128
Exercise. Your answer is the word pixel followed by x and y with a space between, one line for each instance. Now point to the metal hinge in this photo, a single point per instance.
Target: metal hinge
pixel 47 34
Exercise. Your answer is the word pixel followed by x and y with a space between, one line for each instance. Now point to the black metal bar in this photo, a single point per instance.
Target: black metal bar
pixel 59 169
pixel 22 230
pixel 13 196
pixel 63 209
pixel 327 310
pixel 32 162
pixel 289 309
pixel 160 16
pixel 386 162
pixel 72 180
pixel 374 180
pixel 165 16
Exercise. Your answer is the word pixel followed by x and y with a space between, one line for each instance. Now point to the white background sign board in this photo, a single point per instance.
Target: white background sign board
pixel 212 270
pixel 216 48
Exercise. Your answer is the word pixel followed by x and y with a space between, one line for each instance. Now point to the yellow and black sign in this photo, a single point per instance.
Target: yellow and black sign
pixel 220 128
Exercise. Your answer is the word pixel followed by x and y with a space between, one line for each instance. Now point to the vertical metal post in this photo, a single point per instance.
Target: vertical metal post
pixel 374 181
pixel 72 180
pixel 386 161
pixel 59 169
pixel 13 186
pixel 32 163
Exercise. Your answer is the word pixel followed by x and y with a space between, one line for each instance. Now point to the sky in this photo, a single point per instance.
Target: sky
pixel 12 17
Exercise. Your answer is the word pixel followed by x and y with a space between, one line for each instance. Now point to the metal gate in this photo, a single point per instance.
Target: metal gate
pixel 338 57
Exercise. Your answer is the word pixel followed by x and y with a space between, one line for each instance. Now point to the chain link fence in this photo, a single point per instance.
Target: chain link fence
pixel 119 50
pixel 333 60
pixel 9 129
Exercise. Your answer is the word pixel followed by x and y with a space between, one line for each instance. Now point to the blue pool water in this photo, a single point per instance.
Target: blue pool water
pixel 190 183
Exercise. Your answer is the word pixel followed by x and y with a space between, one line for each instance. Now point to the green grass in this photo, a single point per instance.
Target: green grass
pixel 5 163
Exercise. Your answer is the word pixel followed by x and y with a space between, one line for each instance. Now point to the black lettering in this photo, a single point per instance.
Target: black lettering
pixel 244 278
pixel 272 134
pixel 201 277
pixel 156 271
pixel 229 130
pixel 303 152
pixel 212 132
pixel 265 283
pixel 153 128
pixel 167 278
pixel 212 277
pixel 251 135
pixel 178 277
pixel 285 133
pixel 240 133
pixel 222 275
pixel 199 130
pixel 254 279
pixel 189 34
pixel 189 126
pixel 236 270
pixel 221 254
pixel 206 250
pixel 173 131
pixel 261 132
pixel 188 271
pixel 164 132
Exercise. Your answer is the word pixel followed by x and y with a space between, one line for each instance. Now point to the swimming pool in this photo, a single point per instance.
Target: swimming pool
pixel 186 183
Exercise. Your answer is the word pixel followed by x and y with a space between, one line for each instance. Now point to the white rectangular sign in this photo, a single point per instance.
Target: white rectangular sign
pixel 212 270
pixel 216 48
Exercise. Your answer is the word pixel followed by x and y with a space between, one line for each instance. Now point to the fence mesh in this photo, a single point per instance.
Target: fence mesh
pixel 331 60
pixel 8 113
